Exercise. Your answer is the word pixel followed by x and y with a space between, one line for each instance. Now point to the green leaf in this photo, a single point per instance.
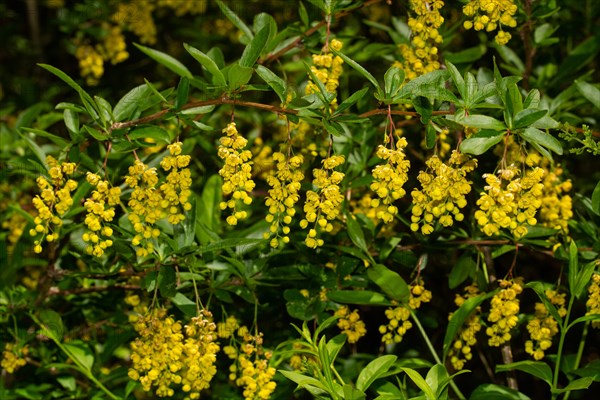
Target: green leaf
pixel 592 369
pixel 393 79
pixel 527 117
pixel 217 76
pixel 361 297
pixel 481 142
pixel 573 271
pixel 52 325
pixel 235 20
pixel 490 391
pixel 187 306
pixel 166 60
pixel 459 317
pixel 81 354
pixel 71 119
pixel 464 267
pixel 356 234
pixel 361 70
pixel 458 80
pixel 275 82
pixel 167 281
pixel 390 282
pixel 347 103
pixel 104 110
pixel 539 289
pixel 131 103
pixel 57 140
pixel 541 138
pixel 420 382
pixel 577 384
pixel 465 56
pixel 596 199
pixel 583 279
pixel 158 134
pixel 538 369
pixel 182 92
pixel 238 75
pixel 350 393
pixel 590 92
pixel 430 85
pixel 85 97
pixel 483 122
pixel 255 47
pixel 302 380
pixel 374 370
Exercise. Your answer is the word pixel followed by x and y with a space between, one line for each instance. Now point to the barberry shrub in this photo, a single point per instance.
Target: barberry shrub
pixel 339 200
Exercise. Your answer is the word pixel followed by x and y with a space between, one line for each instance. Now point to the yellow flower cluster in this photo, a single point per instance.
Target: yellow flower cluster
pixel 13 357
pixel 443 193
pixel 593 301
pixel 350 324
pixel 251 369
pixel 139 308
pixel 55 200
pixel 510 201
pixel 225 330
pixel 91 64
pixel 136 16
pixel 389 179
pixel 145 204
pixel 503 312
pixel 114 48
pixel 557 206
pixel 283 195
pixel 167 353
pixel 262 159
pixel 461 352
pixel 542 327
pixel 183 7
pixel 14 226
pixel 322 207
pixel 327 68
pixel 236 172
pixel 175 189
pixel 100 209
pixel 491 15
pixel 421 56
pixel 398 323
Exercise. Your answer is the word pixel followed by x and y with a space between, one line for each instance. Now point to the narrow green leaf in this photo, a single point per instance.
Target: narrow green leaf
pixel 217 76
pixel 390 282
pixel 80 353
pixel 238 76
pixel 458 80
pixel 481 142
pixel 71 119
pixel 347 103
pixel 52 325
pixel 361 297
pixel 538 288
pixel 131 103
pixel 462 269
pixel 534 135
pixel 596 199
pixel 69 81
pixel 104 110
pixel 356 234
pixel 573 266
pixel 577 384
pixel 168 61
pixel 255 47
pixel 361 70
pixel 459 317
pixel 483 122
pixel 583 279
pixel 182 92
pixel 302 380
pixel 156 133
pixel 490 391
pixel 187 306
pixel 167 281
pixel 374 370
pixel 393 79
pixel 538 369
pixel 590 92
pixel 420 382
pixel 275 82
pixel 527 117
pixel 350 393
pixel 235 20
pixel 56 139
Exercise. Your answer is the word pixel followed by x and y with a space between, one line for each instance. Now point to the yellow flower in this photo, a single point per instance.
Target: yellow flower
pixel 350 324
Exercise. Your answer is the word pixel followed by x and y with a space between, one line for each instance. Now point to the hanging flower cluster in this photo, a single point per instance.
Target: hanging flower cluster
pixel 327 68
pixel 593 301
pixel 542 327
pixel 100 209
pixel 461 350
pixel 503 312
pixel 176 187
pixel 491 15
pixel 350 324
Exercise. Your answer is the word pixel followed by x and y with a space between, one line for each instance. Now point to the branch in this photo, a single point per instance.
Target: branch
pixel 94 289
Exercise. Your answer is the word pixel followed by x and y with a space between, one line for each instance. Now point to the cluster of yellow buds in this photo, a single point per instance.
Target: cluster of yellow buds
pixel 285 184
pixel 100 209
pixel 14 226
pixel 136 16
pixel 183 7
pixel 443 193
pixel 398 317
pixel 327 68
pixel 460 352
pixel 167 353
pixel 225 330
pixel 140 308
pixel 491 15
pixel 13 358
pixel 557 206
pixel 251 369
pixel 593 301
pixel 53 202
pixel 176 187
pixel 389 179
pixel 510 201
pixel 503 312
pixel 236 172
pixel 145 204
pixel 421 56
pixel 114 48
pixel 542 327
pixel 91 63
pixel 350 324
pixel 322 207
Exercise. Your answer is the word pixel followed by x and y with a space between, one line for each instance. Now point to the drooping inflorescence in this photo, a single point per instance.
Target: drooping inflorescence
pixel 176 187
pixel 327 68
pixel 236 173
pixel 593 301
pixel 542 327
pixel 350 324
pixel 461 350
pixel 491 15
pixel 100 209
pixel 504 312
pixel 13 357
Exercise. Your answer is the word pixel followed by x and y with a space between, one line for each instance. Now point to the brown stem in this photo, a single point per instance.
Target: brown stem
pixel 93 289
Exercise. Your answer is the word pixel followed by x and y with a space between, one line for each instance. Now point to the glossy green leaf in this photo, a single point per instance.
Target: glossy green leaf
pixel 463 268
pixel 490 391
pixel 156 133
pixel 577 384
pixel 131 103
pixel 217 76
pixel 541 138
pixel 167 281
pixel 350 393
pixel 360 69
pixel 61 142
pixel 238 75
pixel 458 80
pixel 481 142
pixel 361 297
pixel 590 92
pixel 459 317
pixel 393 79
pixel 81 354
pixel 182 92
pixel 527 117
pixel 356 234
pixel 374 370
pixel 483 122
pixel 420 382
pixel 596 199
pixel 168 61
pixel 235 20
pixel 538 369
pixel 350 101
pixel 275 82
pixel 52 325
pixel 539 289
pixel 390 282
pixel 255 47
pixel 85 97
pixel 71 119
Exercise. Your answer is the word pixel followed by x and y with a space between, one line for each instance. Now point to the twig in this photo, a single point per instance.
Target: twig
pixel 93 289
